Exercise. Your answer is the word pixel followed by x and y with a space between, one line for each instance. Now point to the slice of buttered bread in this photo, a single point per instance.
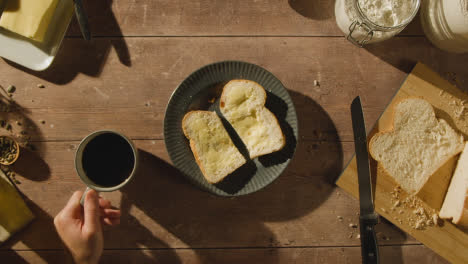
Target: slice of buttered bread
pixel 455 206
pixel 418 145
pixel 211 145
pixel 243 104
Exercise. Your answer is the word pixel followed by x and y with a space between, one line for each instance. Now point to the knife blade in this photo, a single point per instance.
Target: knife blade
pixel 367 218
pixel 82 19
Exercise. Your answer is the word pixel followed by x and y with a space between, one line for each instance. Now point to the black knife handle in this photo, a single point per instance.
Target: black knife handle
pixel 369 247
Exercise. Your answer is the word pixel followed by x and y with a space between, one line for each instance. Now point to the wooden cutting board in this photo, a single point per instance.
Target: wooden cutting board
pixel 449 102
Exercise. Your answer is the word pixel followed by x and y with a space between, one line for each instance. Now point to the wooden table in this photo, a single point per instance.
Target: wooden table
pixel 122 80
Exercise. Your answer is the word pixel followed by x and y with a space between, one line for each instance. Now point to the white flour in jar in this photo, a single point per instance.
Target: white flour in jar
pixel 387 13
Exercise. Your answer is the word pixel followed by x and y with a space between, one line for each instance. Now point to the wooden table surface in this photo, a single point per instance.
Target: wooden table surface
pixel 122 80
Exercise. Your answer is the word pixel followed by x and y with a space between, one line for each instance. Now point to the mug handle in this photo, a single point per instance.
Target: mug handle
pixel 84 195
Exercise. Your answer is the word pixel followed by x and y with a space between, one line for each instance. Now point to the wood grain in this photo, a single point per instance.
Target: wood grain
pixel 149 69
pixel 123 80
pixel 446 239
pixel 390 255
pixel 109 94
pixel 214 17
pixel 161 209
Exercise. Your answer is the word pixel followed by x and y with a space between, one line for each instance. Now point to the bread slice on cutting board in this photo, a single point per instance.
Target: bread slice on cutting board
pixel 418 145
pixel 211 145
pixel 243 104
pixel 455 206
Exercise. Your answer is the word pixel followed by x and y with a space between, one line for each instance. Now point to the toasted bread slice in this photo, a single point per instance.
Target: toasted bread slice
pixel 211 145
pixel 243 104
pixel 455 206
pixel 418 145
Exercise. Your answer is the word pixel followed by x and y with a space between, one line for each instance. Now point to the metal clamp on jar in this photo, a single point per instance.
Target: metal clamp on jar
pixel 370 21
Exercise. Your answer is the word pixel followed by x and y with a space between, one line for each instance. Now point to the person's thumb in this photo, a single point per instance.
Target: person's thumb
pixel 92 218
pixel 73 208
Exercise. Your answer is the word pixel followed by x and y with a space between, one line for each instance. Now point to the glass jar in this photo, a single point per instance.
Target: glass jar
pixel 370 21
pixel 445 24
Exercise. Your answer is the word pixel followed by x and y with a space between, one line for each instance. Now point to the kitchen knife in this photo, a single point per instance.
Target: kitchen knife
pixel 368 218
pixel 82 19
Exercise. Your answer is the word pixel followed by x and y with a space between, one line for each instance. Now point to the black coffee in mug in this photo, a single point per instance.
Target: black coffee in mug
pixel 108 160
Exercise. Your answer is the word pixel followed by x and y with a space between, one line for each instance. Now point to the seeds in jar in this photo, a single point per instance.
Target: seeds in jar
pixel 8 150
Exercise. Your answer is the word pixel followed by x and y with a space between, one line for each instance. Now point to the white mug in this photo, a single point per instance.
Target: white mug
pixel 90 184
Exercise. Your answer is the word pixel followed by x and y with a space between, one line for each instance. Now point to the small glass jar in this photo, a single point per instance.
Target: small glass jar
pixel 445 24
pixel 370 21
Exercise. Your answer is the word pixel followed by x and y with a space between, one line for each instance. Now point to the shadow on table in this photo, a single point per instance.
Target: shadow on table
pixel 14 122
pixel 395 254
pixel 404 52
pixel 36 236
pixel 29 165
pixel 161 194
pixel 314 9
pixel 32 167
pixel 77 55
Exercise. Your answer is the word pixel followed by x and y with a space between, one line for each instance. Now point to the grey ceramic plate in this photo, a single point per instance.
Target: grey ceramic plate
pixel 198 92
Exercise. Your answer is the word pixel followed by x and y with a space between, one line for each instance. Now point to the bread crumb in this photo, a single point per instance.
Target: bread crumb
pixel 340 218
pixel 459 111
pixel 353 225
pixel 421 216
pixel 419 211
pixel 316 83
pixel 358 236
pixel 40 85
pixel 397 203
pixel 419 224
pixel 383 210
pixel 435 219
pixel 441 92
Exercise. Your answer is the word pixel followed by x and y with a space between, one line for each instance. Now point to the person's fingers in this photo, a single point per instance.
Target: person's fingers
pixel 104 203
pixel 73 207
pixel 111 213
pixel 107 221
pixel 92 212
pixel 111 217
pixel 111 221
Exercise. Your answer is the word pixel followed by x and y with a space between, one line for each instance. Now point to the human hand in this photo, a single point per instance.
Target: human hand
pixel 80 228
